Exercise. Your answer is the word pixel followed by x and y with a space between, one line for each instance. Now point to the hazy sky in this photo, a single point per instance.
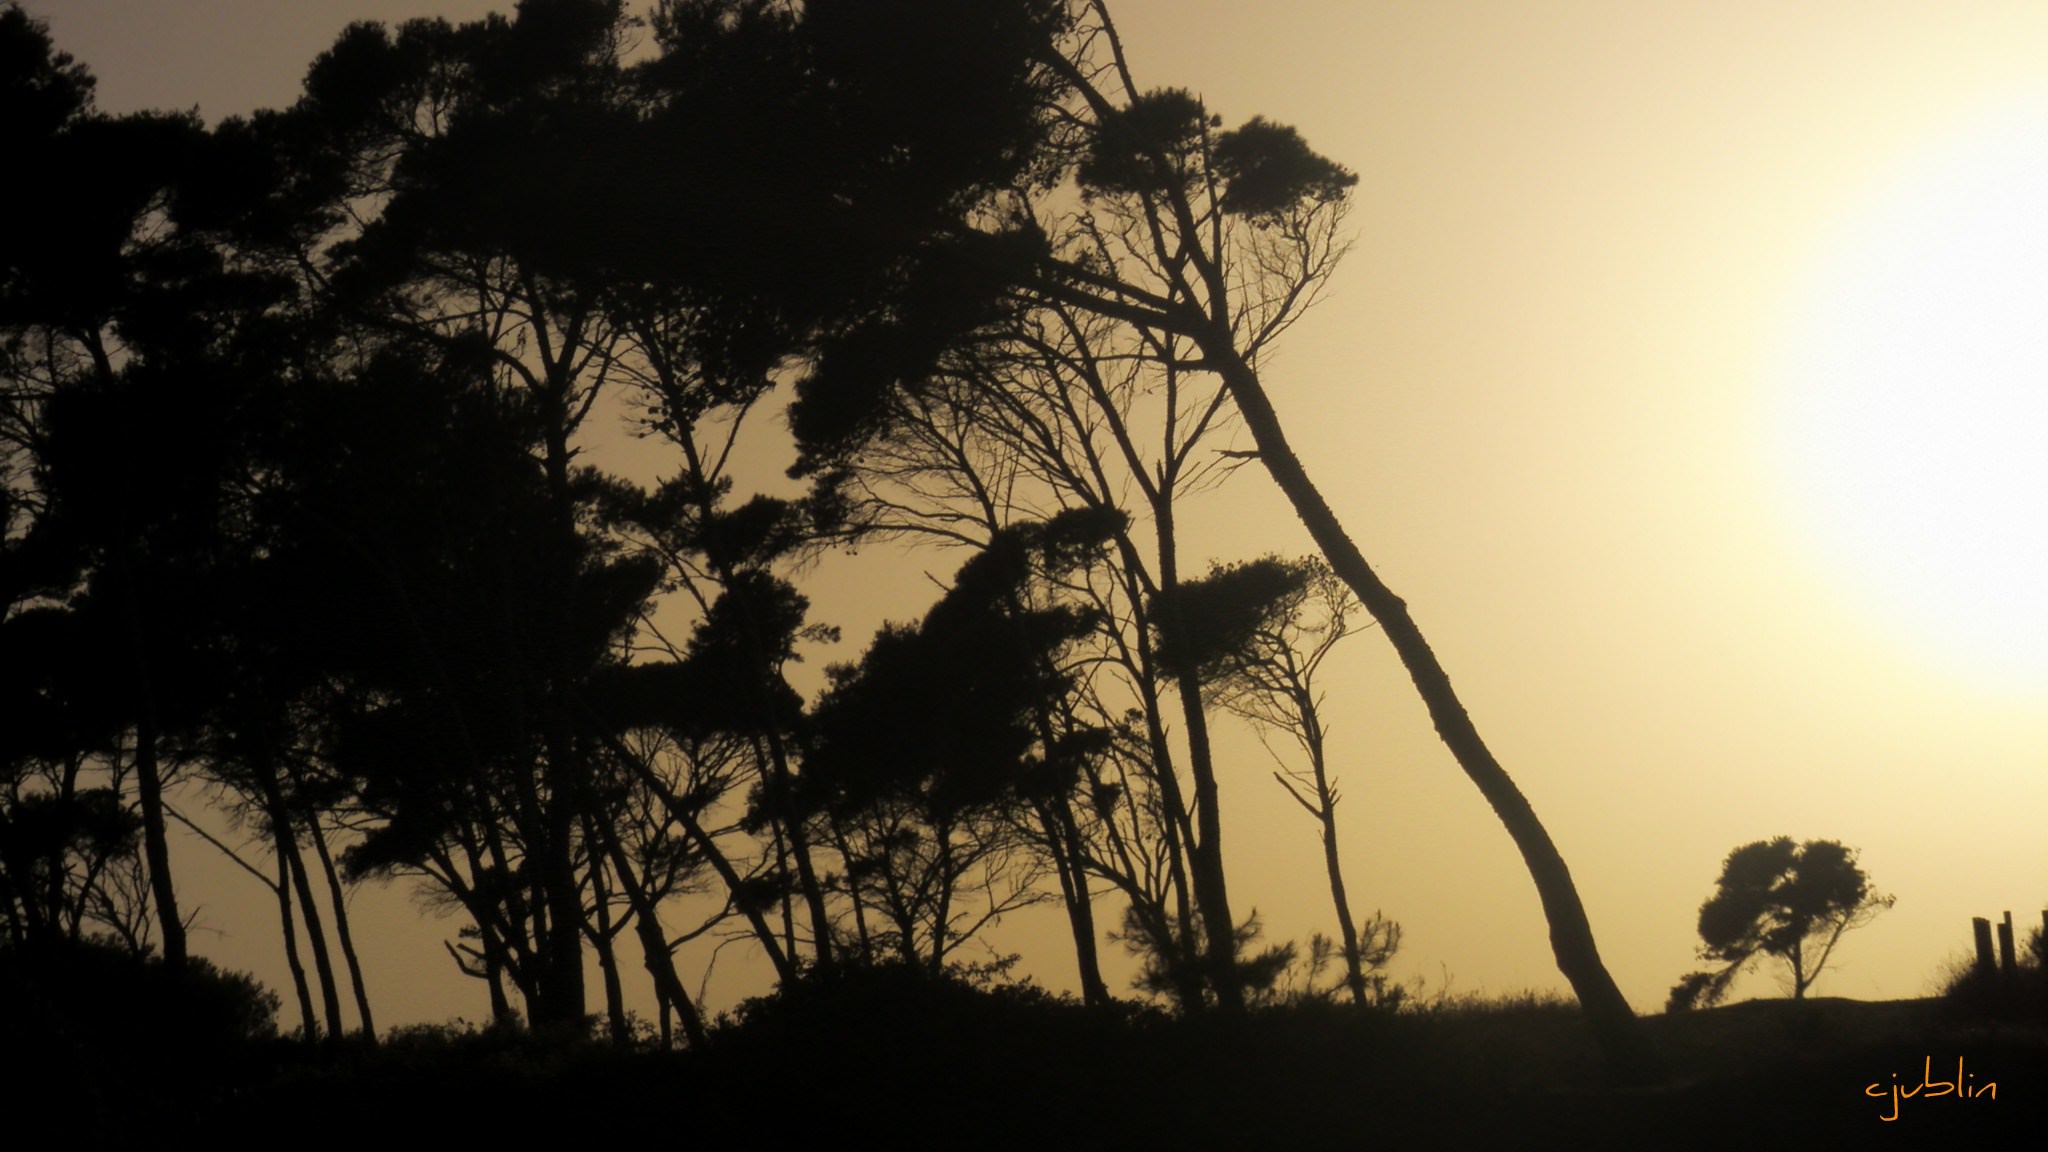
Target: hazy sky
pixel 1687 379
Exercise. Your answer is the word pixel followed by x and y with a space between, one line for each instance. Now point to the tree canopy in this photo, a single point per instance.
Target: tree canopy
pixel 1784 900
pixel 305 431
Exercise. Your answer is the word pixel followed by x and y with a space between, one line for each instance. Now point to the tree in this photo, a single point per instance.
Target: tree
pixel 1210 243
pixel 436 264
pixel 83 329
pixel 1778 899
pixel 1259 633
pixel 1076 412
pixel 919 798
pixel 1229 236
pixel 594 228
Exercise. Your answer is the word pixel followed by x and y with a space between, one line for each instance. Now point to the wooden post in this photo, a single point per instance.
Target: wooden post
pixel 2005 956
pixel 2041 968
pixel 1982 928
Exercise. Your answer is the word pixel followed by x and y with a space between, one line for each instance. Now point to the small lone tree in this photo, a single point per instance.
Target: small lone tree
pixel 1778 899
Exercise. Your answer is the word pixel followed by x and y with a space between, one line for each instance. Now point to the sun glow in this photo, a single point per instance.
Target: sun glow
pixel 1916 401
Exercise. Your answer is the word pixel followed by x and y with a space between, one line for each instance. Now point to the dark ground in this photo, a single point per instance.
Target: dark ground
pixel 918 1065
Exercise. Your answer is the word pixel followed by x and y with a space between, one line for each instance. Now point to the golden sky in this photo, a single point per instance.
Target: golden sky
pixel 1686 377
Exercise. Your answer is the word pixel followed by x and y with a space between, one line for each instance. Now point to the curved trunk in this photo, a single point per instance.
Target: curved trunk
pixel 1571 935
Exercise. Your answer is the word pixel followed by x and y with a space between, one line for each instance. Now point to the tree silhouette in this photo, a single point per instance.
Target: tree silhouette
pixel 1214 241
pixel 1259 632
pixel 918 751
pixel 154 318
pixel 298 419
pixel 675 229
pixel 86 331
pixel 1778 899
pixel 1064 410
pixel 1229 235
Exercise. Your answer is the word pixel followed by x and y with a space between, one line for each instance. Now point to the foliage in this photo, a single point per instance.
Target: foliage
pixel 97 997
pixel 1224 614
pixel 1775 898
pixel 920 799
pixel 304 502
pixel 1268 169
pixel 1145 146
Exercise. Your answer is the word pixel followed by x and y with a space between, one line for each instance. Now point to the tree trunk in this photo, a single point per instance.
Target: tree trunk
pixel 602 935
pixel 309 1025
pixel 1063 839
pixel 316 935
pixel 562 943
pixel 1145 678
pixel 1571 936
pixel 1205 854
pixel 1326 814
pixel 339 899
pixel 156 850
pixel 294 865
pixel 492 945
pixel 660 962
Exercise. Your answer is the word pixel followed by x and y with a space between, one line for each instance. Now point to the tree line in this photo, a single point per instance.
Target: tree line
pixel 297 422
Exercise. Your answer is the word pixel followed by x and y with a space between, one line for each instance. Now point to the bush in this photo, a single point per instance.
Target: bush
pixel 98 995
pixel 104 1037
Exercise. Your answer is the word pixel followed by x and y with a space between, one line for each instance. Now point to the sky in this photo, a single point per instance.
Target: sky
pixel 1685 376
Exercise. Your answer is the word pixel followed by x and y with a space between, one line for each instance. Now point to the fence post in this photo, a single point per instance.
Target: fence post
pixel 1982 928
